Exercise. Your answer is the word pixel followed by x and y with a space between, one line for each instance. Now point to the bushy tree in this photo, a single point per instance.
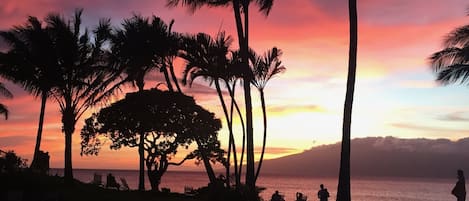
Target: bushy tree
pixel 167 120
pixel 10 162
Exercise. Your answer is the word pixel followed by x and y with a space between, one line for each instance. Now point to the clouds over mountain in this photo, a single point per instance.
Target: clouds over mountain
pixel 380 157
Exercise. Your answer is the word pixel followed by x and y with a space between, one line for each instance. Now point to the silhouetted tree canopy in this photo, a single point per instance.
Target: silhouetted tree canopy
pixel 10 162
pixel 168 120
pixel 146 111
pixel 143 45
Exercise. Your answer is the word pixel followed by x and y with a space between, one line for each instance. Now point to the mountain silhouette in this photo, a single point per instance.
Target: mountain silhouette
pixel 379 157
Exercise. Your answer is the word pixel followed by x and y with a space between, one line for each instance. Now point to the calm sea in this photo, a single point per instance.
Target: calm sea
pixel 389 189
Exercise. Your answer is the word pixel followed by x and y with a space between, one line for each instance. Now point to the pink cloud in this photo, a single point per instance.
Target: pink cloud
pixel 394 36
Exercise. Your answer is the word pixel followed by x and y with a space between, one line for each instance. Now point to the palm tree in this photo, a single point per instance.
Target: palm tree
pixel 85 75
pixel 172 42
pixel 29 63
pixel 134 51
pixel 343 189
pixel 135 48
pixel 141 46
pixel 452 63
pixel 5 92
pixel 231 78
pixel 207 57
pixel 243 40
pixel 265 68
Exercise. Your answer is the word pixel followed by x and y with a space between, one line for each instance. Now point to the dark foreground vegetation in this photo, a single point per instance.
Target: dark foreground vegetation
pixel 28 186
pixel 20 183
pixel 31 186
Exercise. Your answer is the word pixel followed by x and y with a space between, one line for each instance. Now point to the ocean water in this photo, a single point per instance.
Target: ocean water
pixel 370 189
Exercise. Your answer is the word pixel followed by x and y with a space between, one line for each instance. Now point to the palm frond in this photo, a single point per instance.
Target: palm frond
pixel 457 73
pixel 266 67
pixel 77 22
pixel 4 91
pixel 12 39
pixel 4 110
pixel 265 6
pixel 449 56
pixel 205 57
pixel 458 37
pixel 103 31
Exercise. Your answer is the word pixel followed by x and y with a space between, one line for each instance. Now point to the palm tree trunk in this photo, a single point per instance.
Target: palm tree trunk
pixel 68 172
pixel 140 81
pixel 343 189
pixel 230 127
pixel 243 151
pixel 173 75
pixel 68 120
pixel 250 175
pixel 208 167
pixel 231 91
pixel 247 96
pixel 228 166
pixel 141 154
pixel 39 131
pixel 166 77
pixel 264 114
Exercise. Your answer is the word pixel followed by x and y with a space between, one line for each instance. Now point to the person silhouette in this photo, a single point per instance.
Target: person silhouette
pixel 300 197
pixel 276 197
pixel 323 194
pixel 459 189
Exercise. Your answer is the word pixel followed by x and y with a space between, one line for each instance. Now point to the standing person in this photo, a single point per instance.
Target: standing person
pixel 460 189
pixel 323 194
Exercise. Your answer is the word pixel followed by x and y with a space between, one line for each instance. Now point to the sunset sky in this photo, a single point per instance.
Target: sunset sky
pixel 396 94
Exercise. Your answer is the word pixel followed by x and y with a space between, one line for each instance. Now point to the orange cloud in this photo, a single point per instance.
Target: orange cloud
pixel 395 36
pixel 288 109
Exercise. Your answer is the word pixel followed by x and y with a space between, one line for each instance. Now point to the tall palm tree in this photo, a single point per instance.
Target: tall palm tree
pixel 343 189
pixel 452 63
pixel 134 51
pixel 207 58
pixel 6 93
pixel 265 68
pixel 29 63
pixel 243 40
pixel 140 47
pixel 85 76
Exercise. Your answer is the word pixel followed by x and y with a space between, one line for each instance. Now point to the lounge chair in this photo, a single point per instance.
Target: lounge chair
pixel 111 182
pixel 97 179
pixel 189 191
pixel 125 186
